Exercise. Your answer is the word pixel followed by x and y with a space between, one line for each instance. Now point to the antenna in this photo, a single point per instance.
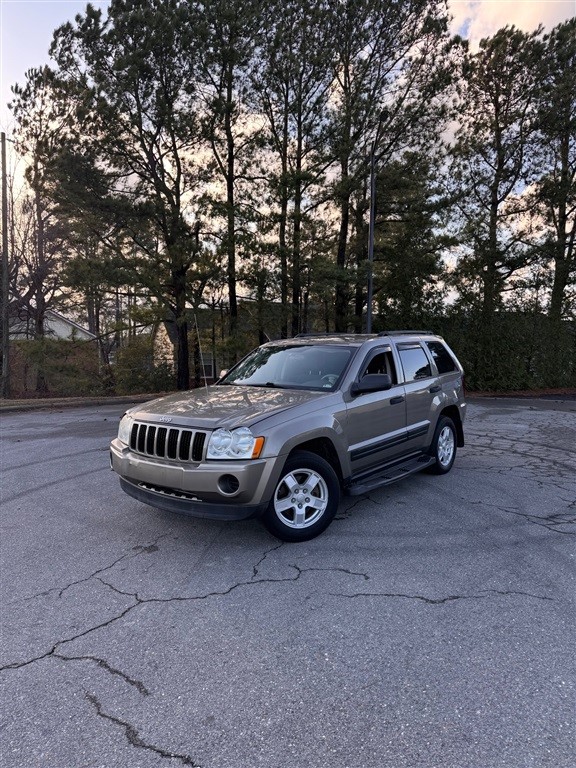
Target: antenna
pixel 200 350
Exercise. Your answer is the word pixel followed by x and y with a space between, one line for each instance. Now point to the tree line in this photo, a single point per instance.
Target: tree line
pixel 188 154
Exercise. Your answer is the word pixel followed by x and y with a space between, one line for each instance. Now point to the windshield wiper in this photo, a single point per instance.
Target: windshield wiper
pixel 269 384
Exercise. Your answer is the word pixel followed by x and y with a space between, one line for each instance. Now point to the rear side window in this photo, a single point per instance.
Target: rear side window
pixel 415 363
pixel 442 358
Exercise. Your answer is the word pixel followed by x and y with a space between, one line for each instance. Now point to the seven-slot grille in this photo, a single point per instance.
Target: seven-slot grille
pixel 167 442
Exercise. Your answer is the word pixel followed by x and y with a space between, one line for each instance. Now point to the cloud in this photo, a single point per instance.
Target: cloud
pixel 475 19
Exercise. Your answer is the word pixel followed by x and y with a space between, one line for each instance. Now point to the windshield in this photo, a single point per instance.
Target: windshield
pixel 297 367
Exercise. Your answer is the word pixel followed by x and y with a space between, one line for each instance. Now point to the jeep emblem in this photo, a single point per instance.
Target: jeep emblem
pixel 165 419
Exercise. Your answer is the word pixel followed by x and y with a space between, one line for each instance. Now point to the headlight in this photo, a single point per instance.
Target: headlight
pixel 236 444
pixel 124 428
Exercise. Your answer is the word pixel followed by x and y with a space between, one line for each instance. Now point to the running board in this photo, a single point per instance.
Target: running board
pixel 389 475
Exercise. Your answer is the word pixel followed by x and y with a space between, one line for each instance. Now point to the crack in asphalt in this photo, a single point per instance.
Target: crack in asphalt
pixel 117 589
pixel 52 651
pixel 139 601
pixel 442 600
pixel 346 513
pixel 487 441
pixel 130 731
pixel 530 458
pixel 139 549
pixel 333 570
pixel 547 521
pixel 256 568
pixel 134 737
pixel 550 522
pixel 103 664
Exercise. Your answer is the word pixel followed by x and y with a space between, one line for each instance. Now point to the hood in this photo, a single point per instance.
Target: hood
pixel 223 406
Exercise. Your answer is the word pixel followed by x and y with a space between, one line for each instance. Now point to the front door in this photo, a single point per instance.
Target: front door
pixel 376 421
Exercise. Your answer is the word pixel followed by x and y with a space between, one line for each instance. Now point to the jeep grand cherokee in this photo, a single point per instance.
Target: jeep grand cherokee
pixel 293 425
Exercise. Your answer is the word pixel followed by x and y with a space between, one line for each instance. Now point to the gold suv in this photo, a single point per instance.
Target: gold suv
pixel 293 425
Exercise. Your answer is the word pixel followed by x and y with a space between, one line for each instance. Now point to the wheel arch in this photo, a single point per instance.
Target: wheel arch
pixel 323 447
pixel 453 413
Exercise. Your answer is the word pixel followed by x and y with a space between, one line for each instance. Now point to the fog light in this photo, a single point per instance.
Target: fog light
pixel 228 484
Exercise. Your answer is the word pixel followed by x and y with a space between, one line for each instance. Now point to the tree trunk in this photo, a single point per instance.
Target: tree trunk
pixel 341 301
pixel 39 318
pixel 564 247
pixel 198 362
pixel 361 261
pixel 283 224
pixel 182 350
pixel 561 278
pixel 297 237
pixel 231 213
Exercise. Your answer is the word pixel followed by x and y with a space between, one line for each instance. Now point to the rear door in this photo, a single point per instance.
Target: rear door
pixel 421 387
pixel 376 421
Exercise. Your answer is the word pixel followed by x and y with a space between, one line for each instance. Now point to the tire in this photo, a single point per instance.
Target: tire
pixel 443 446
pixel 305 499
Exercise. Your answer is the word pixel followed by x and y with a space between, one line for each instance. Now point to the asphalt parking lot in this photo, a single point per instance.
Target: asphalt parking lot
pixel 431 626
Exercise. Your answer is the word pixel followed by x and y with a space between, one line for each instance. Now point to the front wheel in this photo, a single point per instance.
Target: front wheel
pixel 443 446
pixel 305 499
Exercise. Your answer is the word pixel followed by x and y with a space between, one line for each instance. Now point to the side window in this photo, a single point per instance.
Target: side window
pixel 382 363
pixel 442 357
pixel 415 363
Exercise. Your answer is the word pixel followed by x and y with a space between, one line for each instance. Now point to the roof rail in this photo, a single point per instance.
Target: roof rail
pixel 312 335
pixel 407 332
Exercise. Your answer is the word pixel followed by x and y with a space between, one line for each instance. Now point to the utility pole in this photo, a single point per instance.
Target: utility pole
pixel 371 239
pixel 5 386
pixel 372 223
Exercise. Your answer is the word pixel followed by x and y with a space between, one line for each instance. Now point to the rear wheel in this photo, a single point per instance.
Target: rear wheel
pixel 305 499
pixel 443 446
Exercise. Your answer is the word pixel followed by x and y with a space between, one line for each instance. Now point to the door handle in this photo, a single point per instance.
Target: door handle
pixel 435 388
pixel 396 400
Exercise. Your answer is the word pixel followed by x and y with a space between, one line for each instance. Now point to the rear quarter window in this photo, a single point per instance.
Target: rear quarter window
pixel 443 359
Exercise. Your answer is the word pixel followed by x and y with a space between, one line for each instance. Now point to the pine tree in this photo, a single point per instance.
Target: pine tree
pixel 491 163
pixel 391 66
pixel 293 88
pixel 131 77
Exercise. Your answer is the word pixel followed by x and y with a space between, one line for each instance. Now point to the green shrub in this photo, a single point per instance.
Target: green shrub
pixel 520 351
pixel 136 371
pixel 54 367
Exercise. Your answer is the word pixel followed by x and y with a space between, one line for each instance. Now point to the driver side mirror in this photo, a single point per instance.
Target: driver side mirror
pixel 371 382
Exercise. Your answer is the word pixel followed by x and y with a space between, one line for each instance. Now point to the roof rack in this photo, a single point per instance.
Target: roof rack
pixel 407 332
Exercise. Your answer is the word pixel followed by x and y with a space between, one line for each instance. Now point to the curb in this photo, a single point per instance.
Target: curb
pixel 11 406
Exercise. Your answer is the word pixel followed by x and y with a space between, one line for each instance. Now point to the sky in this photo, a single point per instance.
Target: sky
pixel 26 28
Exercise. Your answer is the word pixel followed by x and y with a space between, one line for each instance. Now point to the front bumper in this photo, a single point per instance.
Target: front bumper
pixel 196 489
pixel 171 502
